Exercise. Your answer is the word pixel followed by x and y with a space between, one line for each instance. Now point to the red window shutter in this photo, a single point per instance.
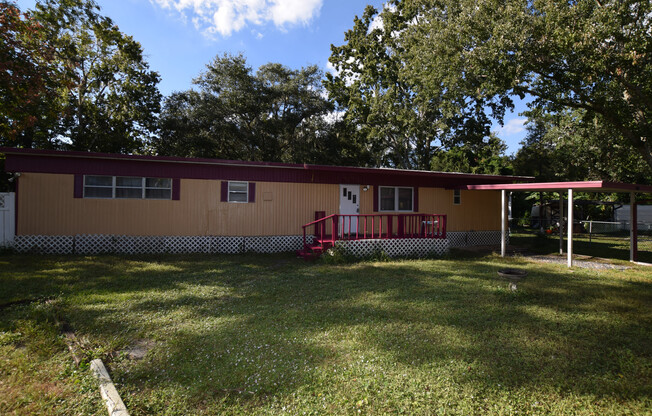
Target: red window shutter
pixel 416 199
pixel 375 198
pixel 176 189
pixel 224 195
pixel 252 191
pixel 79 186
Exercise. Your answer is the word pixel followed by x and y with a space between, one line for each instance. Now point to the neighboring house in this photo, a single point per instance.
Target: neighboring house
pixel 89 202
pixel 644 217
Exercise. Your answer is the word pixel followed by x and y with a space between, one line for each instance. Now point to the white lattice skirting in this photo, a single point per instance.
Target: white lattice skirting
pixel 124 244
pixel 396 247
pixel 474 238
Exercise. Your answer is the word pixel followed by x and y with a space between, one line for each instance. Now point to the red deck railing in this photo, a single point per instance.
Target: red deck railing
pixel 331 228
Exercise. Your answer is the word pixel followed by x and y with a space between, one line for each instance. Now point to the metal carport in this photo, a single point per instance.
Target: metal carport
pixel 570 187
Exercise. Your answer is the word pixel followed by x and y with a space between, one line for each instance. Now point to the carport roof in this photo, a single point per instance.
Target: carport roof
pixel 585 186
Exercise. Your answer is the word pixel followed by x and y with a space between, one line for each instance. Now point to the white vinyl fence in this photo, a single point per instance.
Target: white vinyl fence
pixel 7 218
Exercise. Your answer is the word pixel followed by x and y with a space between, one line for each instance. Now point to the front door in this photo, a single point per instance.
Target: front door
pixel 349 205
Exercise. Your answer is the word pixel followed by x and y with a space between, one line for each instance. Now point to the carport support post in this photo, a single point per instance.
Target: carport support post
pixel 633 228
pixel 569 225
pixel 503 223
pixel 561 223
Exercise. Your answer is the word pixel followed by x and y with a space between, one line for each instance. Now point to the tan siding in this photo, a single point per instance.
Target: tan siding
pixel 479 211
pixel 291 205
pixel 366 201
pixel 47 207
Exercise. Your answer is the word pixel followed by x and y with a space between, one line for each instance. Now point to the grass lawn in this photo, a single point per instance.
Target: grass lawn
pixel 608 246
pixel 271 334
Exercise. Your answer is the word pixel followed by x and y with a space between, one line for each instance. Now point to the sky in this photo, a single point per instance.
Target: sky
pixel 179 37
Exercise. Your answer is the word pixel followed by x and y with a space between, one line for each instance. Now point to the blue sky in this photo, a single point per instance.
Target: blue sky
pixel 180 37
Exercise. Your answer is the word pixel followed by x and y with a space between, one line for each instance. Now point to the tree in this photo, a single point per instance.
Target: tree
pixel 403 125
pixel 274 114
pixel 108 95
pixel 26 81
pixel 568 146
pixel 588 55
pixel 487 158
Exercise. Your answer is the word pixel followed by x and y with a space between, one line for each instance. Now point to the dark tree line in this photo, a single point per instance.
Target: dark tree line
pixel 273 114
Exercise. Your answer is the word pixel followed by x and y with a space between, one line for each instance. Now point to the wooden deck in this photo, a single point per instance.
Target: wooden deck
pixel 326 230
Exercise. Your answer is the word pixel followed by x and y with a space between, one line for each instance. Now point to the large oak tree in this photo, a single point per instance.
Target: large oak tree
pixel 108 93
pixel 418 74
pixel 70 78
pixel 402 125
pixel 587 54
pixel 27 81
pixel 273 114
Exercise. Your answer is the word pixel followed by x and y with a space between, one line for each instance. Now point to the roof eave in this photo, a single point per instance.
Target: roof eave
pixel 585 186
pixel 277 165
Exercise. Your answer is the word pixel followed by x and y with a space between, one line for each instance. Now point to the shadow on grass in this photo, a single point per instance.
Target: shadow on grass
pixel 616 247
pixel 229 325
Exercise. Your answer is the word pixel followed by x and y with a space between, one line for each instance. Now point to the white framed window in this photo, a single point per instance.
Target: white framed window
pixel 395 198
pixel 457 196
pixel 238 191
pixel 127 187
pixel 158 188
pixel 98 186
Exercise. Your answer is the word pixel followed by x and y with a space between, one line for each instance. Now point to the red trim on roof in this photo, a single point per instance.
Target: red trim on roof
pixel 52 161
pixel 589 186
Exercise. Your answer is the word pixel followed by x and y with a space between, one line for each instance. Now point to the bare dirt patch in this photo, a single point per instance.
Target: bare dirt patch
pixel 139 349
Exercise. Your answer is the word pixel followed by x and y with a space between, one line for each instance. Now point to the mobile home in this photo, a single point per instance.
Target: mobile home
pixel 80 202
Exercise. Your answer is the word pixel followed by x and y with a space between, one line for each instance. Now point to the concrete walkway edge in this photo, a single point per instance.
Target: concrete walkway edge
pixel 112 399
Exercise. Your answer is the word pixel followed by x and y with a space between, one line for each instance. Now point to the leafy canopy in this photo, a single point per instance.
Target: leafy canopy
pixel 401 124
pixel 69 78
pixel 567 146
pixel 423 77
pixel 27 75
pixel 110 97
pixel 274 114
pixel 589 55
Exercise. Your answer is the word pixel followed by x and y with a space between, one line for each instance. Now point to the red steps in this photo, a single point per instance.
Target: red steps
pixel 314 250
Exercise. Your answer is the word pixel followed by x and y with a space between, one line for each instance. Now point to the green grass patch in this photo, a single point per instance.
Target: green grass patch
pixel 37 374
pixel 607 246
pixel 271 334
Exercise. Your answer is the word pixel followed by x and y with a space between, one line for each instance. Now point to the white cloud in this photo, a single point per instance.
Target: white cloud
pixel 377 22
pixel 224 17
pixel 333 116
pixel 349 78
pixel 331 68
pixel 513 126
pixel 294 11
